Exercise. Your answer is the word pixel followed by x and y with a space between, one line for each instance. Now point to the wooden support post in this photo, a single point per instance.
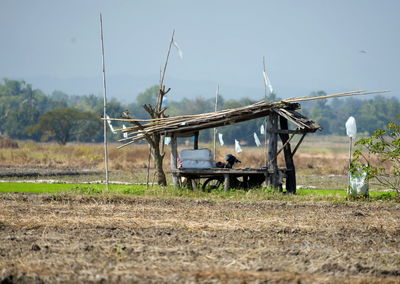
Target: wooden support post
pixel 291 172
pixel 272 149
pixel 193 183
pixel 226 182
pixel 196 141
pixel 174 157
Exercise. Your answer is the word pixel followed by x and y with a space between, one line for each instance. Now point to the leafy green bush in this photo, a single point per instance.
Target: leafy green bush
pixel 384 144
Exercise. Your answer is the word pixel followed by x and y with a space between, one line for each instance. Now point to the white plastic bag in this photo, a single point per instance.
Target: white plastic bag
pixel 351 127
pixel 358 184
pixel 238 149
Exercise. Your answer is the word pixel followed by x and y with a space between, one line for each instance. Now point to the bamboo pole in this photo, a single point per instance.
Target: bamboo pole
pixel 166 61
pixel 265 119
pixel 215 129
pixel 104 102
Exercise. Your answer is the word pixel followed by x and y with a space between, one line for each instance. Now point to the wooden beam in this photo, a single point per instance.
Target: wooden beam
pixel 291 173
pixel 272 149
pixel 298 144
pixel 287 131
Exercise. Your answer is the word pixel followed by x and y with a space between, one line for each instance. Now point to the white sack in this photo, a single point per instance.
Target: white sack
pixel 196 164
pixel 200 155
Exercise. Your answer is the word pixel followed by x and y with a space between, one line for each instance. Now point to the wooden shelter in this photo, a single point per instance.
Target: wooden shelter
pixel 278 115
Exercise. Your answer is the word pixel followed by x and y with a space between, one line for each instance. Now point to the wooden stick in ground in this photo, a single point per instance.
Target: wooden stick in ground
pixel 349 174
pixel 215 129
pixel 148 168
pixel 104 103
pixel 265 119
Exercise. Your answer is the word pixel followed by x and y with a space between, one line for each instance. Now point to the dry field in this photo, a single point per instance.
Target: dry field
pixel 75 239
pixel 321 161
pixel 317 155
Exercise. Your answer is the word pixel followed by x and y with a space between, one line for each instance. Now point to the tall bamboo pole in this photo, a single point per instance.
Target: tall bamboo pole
pixel 159 103
pixel 265 119
pixel 104 102
pixel 215 129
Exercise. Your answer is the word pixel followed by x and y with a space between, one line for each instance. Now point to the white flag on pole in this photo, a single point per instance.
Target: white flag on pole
pixel 124 134
pixel 267 82
pixel 238 149
pixel 110 125
pixel 262 130
pixel 221 141
pixel 167 140
pixel 258 143
pixel 178 49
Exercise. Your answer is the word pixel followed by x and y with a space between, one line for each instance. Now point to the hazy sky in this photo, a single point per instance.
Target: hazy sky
pixel 309 45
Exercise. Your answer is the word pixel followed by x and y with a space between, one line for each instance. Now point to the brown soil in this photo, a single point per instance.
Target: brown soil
pixel 51 239
pixel 24 171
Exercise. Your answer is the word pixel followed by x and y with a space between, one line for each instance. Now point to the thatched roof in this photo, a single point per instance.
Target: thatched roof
pixel 187 125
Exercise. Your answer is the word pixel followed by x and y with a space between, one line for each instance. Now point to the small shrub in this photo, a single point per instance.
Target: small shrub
pixel 384 144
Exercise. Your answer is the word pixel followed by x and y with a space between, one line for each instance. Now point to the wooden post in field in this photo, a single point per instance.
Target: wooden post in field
pixel 196 141
pixel 291 172
pixel 174 157
pixel 272 149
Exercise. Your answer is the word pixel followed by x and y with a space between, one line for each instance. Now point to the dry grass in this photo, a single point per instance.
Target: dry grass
pixel 318 155
pixel 86 239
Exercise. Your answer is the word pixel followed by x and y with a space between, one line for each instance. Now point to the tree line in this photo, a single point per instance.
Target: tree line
pixel 27 113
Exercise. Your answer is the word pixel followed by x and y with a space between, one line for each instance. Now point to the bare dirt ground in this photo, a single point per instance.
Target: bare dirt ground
pixel 75 239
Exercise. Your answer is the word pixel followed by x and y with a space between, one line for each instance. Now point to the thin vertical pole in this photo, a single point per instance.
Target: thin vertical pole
pixel 265 119
pixel 104 103
pixel 148 168
pixel 215 129
pixel 349 173
pixel 166 61
pixel 350 149
pixel 159 98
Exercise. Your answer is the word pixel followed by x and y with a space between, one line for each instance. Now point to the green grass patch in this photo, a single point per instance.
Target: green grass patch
pixel 169 192
pixel 34 187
